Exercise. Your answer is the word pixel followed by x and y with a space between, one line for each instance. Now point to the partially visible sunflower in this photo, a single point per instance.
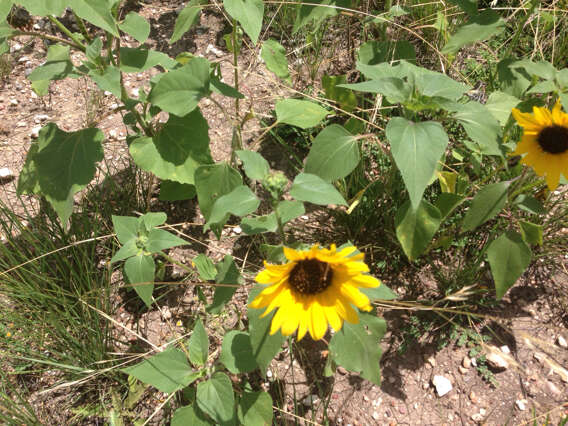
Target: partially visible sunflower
pixel 545 142
pixel 315 288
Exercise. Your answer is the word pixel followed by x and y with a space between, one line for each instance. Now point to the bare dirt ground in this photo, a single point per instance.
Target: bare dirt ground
pixel 528 332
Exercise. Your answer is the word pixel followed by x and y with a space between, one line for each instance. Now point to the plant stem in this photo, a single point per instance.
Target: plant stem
pixel 82 28
pixel 68 33
pixel 279 222
pixel 520 27
pixel 45 37
pixel 172 260
pixel 236 139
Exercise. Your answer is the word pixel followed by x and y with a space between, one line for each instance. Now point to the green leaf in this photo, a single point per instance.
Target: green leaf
pixel 508 258
pixel 108 80
pixel 447 202
pixel 542 69
pixel 344 97
pixel 63 164
pixel 434 84
pixel 126 228
pixel 57 66
pixel 255 409
pixel 137 59
pixel 529 204
pixel 152 219
pixel 500 106
pixel 513 81
pixel 239 202
pixel 317 11
pixel 313 189
pixel 300 113
pixel 375 52
pixel 531 232
pixel 480 27
pixel 179 91
pixel 215 397
pixel 416 228
pixel 167 371
pixel 272 253
pixel 488 201
pixel 236 352
pixel 187 18
pixel 248 13
pixel 205 267
pixel 189 415
pixel 543 87
pixel 140 271
pixel 256 167
pixel 382 292
pixel 175 191
pixel 393 88
pixel 274 55
pixel 416 148
pixel 355 350
pixel 198 345
pixel 136 26
pixel 97 12
pixel 481 127
pixel 127 250
pixel 260 224
pixel 224 89
pixel 41 7
pixel 468 6
pixel 160 239
pixel 94 49
pixel 290 210
pixel 264 345
pixel 177 150
pixel 5 7
pixel 227 274
pixel 334 154
pixel 213 181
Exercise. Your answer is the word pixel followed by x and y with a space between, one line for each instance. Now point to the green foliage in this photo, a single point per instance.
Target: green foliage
pixel 486 204
pixel 415 228
pixel 508 257
pixel 187 18
pixel 274 55
pixel 215 397
pixel 479 27
pixel 312 188
pixel 248 13
pixel 297 112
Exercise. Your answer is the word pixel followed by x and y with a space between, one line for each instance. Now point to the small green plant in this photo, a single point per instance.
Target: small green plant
pixel 466 337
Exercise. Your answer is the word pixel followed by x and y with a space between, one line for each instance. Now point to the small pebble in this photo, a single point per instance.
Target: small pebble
pixel 505 349
pixel 562 342
pixel 6 173
pixel 442 385
pixel 310 400
pixel 521 404
pixel 237 230
pixel 13 102
pixel 34 134
pixel 466 362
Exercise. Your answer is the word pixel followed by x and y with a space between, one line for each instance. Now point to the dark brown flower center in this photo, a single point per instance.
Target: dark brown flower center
pixel 553 139
pixel 310 276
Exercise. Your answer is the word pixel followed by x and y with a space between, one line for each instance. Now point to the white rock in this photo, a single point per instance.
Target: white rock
pixel 431 361
pixel 23 59
pixel 6 173
pixel 562 342
pixel 113 134
pixel 376 415
pixel 107 93
pixel 34 134
pixel 41 117
pixel 21 124
pixel 521 404
pixel 304 217
pixel 496 361
pixel 474 362
pixel 268 374
pixel 33 94
pixel 237 230
pixel 466 362
pixel 214 50
pixel 442 385
pixel 13 102
pixel 135 92
pixel 310 400
pixel 114 106
pixel 16 47
pixel 505 349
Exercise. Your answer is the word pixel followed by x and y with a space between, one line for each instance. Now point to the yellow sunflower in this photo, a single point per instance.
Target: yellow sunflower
pixel 315 288
pixel 545 142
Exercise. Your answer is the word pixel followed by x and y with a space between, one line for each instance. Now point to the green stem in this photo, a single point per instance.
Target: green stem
pixel 68 33
pixel 279 222
pixel 82 28
pixel 172 260
pixel 236 139
pixel 520 27
pixel 45 37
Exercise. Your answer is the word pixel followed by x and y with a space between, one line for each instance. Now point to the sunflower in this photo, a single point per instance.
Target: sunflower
pixel 545 142
pixel 315 288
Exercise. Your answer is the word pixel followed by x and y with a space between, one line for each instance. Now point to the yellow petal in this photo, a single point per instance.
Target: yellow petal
pixel 355 296
pixel 293 255
pixel 367 281
pixel 552 179
pixel 302 324
pixel 526 121
pixel 543 116
pixel 318 324
pixel 333 318
pixel 290 324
